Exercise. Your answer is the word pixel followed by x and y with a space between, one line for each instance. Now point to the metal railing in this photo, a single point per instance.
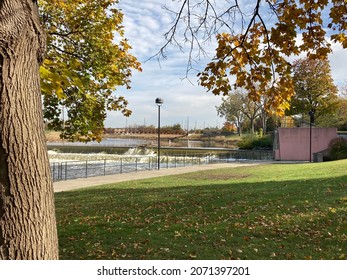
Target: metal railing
pixel 68 170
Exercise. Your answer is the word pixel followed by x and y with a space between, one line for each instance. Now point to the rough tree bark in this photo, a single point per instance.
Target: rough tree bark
pixel 27 215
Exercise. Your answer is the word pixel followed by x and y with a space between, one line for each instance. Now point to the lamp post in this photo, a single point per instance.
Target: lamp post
pixel 311 114
pixel 159 102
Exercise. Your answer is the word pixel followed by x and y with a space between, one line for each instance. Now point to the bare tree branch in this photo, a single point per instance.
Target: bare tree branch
pixel 201 21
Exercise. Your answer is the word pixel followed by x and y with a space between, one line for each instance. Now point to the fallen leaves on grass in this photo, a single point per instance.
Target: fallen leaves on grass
pixel 207 220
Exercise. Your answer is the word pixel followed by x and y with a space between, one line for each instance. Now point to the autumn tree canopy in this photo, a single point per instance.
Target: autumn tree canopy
pixel 87 59
pixel 314 88
pixel 254 41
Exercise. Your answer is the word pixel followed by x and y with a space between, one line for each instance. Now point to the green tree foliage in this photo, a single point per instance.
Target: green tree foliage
pixel 255 41
pixel 87 59
pixel 338 149
pixel 238 107
pixel 338 118
pixel 231 109
pixel 314 89
pixel 252 141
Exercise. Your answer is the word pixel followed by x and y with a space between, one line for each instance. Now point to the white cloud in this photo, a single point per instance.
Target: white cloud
pixel 338 63
pixel 145 24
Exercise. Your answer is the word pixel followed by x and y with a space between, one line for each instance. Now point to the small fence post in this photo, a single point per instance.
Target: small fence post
pixel 61 171
pixel 86 168
pixel 53 169
pixel 65 170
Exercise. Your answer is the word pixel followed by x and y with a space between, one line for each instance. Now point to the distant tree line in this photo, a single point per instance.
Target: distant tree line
pixel 147 129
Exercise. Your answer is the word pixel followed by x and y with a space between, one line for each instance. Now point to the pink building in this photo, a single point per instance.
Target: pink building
pixel 294 143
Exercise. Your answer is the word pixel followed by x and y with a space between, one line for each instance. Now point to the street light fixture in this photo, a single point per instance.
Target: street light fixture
pixel 311 114
pixel 159 102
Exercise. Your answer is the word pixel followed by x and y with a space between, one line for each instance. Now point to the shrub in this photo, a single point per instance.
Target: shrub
pixel 253 141
pixel 338 148
pixel 246 141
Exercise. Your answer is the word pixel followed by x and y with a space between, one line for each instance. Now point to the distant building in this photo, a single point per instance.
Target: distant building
pixel 118 131
pixel 287 121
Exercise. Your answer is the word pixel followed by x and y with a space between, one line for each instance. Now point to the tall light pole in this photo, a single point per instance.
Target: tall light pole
pixel 159 102
pixel 311 114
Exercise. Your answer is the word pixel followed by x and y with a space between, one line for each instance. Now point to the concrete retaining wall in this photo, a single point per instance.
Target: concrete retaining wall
pixel 294 143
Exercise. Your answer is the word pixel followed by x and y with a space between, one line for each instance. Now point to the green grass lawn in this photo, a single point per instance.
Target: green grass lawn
pixel 275 211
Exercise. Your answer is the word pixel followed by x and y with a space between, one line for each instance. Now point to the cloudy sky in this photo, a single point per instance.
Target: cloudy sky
pixel 185 102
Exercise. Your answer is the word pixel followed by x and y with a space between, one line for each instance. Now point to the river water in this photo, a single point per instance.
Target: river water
pixel 130 142
pixel 108 142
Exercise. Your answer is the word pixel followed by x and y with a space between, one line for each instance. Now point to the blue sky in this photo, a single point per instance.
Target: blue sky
pixel 145 24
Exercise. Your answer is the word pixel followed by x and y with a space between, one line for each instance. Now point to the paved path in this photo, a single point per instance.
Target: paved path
pixel 109 179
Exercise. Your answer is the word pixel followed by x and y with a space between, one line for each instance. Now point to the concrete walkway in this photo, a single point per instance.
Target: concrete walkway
pixel 109 179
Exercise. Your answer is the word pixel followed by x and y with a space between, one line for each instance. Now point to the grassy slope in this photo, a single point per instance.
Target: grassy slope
pixel 295 211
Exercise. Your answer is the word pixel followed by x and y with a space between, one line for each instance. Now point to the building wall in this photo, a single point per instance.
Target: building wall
pixel 294 143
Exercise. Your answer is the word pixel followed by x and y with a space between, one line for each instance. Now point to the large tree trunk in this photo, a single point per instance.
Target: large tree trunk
pixel 27 215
